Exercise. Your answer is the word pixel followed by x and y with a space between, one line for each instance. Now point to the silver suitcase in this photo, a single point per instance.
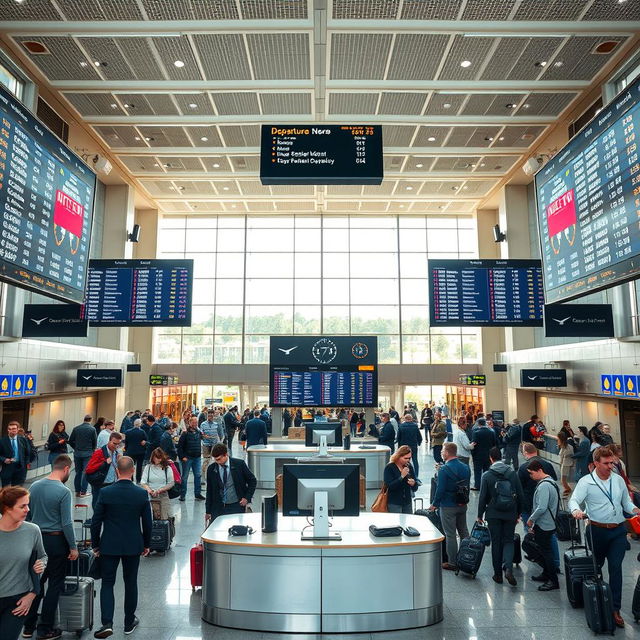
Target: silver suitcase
pixel 75 606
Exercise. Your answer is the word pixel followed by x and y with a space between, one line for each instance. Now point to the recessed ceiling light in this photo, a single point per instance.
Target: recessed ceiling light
pixel 526 106
pixel 442 206
pixel 100 64
pixel 225 188
pixel 501 138
pixel 216 166
pixel 179 64
pixel 149 139
pixel 409 188
pixel 454 188
pixel 558 63
pixel 137 138
pixel 489 138
pixel 129 106
pixel 431 139
pixel 181 188
pixel 233 206
pixel 446 105
pixel 204 139
pixel 540 63
pixel 402 206
pixel 465 63
pixel 84 63
pixel 166 165
pixel 473 166
pixel 114 105
pixel 155 164
pixel 483 164
pixel 510 105
pixel 465 187
pixel 193 105
pixel 419 165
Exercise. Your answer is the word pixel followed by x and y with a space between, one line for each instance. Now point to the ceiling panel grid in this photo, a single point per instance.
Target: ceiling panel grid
pixel 280 56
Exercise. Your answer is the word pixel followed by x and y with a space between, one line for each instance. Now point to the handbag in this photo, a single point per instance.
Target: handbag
pixel 381 503
pixel 385 532
pixel 176 490
pixel 240 530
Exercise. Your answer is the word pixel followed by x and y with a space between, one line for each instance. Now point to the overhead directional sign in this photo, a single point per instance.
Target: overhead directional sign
pixel 99 378
pixel 543 377
pixel 578 320
pixel 321 154
pixel 54 321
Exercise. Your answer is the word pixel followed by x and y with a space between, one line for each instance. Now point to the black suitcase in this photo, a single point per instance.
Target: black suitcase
pixel 598 605
pixel 470 556
pixel 531 550
pixel 635 605
pixel 517 549
pixel 160 535
pixel 434 518
pixel 578 565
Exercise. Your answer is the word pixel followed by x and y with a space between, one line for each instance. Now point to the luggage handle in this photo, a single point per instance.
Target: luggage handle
pixel 415 500
pixel 69 590
pixel 593 555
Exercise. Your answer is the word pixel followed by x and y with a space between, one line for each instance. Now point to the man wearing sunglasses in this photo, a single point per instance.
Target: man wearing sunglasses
pixel 603 498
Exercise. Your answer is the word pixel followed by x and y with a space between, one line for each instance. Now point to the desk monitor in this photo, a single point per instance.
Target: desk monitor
pixel 315 430
pixel 320 490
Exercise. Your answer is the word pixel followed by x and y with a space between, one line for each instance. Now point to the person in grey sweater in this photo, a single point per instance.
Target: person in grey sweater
pixel 51 511
pixel 542 522
pixel 83 442
pixel 20 568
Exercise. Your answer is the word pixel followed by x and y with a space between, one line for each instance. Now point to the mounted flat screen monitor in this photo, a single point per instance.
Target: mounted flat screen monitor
pixel 129 293
pixel 485 293
pixel 46 207
pixel 588 201
pixel 321 154
pixel 323 371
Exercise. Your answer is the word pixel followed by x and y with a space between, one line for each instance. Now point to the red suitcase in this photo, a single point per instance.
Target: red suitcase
pixel 196 560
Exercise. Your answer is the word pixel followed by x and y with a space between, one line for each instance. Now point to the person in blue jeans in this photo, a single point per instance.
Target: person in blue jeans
pixel 189 453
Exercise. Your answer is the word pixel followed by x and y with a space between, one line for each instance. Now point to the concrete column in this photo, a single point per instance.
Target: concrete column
pixel 369 418
pixel 276 421
pixel 493 341
pixel 118 223
pixel 141 338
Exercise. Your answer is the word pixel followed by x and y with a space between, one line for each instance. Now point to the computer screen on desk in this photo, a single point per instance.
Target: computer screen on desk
pixel 301 482
pixel 313 433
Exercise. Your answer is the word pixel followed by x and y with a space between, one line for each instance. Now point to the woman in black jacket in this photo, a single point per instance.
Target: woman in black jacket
pixel 57 441
pixel 400 481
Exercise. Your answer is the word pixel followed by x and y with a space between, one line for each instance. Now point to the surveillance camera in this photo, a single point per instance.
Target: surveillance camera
pixel 531 165
pixel 102 165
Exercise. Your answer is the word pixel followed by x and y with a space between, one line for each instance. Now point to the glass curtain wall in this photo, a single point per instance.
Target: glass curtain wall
pixel 257 276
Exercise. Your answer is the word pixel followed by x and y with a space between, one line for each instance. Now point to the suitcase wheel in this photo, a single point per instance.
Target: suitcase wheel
pixel 458 573
pixel 473 575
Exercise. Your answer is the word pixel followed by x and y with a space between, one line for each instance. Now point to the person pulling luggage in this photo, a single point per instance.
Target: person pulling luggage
pixel 603 498
pixel 501 499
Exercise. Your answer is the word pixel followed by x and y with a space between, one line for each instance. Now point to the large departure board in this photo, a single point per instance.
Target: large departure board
pixel 481 293
pixel 588 199
pixel 323 371
pixel 321 154
pixel 126 293
pixel 46 207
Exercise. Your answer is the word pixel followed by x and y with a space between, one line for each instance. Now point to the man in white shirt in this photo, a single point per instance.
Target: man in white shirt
pixel 603 498
pixel 105 434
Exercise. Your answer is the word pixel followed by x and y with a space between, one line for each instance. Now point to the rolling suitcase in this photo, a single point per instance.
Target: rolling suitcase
pixel 160 536
pixel 86 556
pixel 598 602
pixel 470 556
pixel 434 518
pixel 635 605
pixel 578 565
pixel 196 561
pixel 75 605
pixel 531 549
pixel 517 549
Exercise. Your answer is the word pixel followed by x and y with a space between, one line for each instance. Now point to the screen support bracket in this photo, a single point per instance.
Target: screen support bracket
pixel 320 519
pixel 323 451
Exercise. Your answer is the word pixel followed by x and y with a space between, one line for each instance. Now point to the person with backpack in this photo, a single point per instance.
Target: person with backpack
pixel 511 442
pixel 484 439
pixel 501 499
pixel 542 522
pixel 452 498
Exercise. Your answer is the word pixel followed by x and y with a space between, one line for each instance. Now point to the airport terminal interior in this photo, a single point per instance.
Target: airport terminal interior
pixel 332 206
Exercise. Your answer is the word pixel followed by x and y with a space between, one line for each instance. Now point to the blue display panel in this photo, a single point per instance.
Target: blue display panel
pixel 480 293
pixel 588 200
pixel 126 293
pixel 323 371
pixel 46 207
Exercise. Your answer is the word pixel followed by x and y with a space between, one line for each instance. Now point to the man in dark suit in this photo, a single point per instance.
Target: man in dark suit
pixel 136 446
pixel 16 452
pixel 387 434
pixel 121 531
pixel 231 424
pixel 83 441
pixel 485 439
pixel 154 432
pixel 409 434
pixel 230 484
pixel 256 430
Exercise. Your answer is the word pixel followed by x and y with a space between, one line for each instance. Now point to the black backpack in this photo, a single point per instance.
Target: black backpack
pixel 504 496
pixel 461 494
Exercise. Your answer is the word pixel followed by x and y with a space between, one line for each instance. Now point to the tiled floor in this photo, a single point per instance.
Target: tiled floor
pixel 474 609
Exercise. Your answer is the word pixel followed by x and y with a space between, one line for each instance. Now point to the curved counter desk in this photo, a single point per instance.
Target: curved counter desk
pixel 280 583
pixel 266 461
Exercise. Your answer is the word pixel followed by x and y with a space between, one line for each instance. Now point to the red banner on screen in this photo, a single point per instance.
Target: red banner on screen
pixel 68 214
pixel 561 213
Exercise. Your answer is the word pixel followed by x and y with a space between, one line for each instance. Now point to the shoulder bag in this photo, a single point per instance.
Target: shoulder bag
pixel 381 503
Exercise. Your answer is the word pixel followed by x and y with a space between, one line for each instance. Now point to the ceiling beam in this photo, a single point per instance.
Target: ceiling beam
pixel 181 195
pixel 179 86
pixel 178 176
pixel 488 28
pixel 304 119
pixel 214 152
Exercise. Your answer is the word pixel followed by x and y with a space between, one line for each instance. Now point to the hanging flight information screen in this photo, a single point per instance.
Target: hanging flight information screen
pixel 46 207
pixel 323 371
pixel 588 200
pixel 321 154
pixel 125 293
pixel 485 293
